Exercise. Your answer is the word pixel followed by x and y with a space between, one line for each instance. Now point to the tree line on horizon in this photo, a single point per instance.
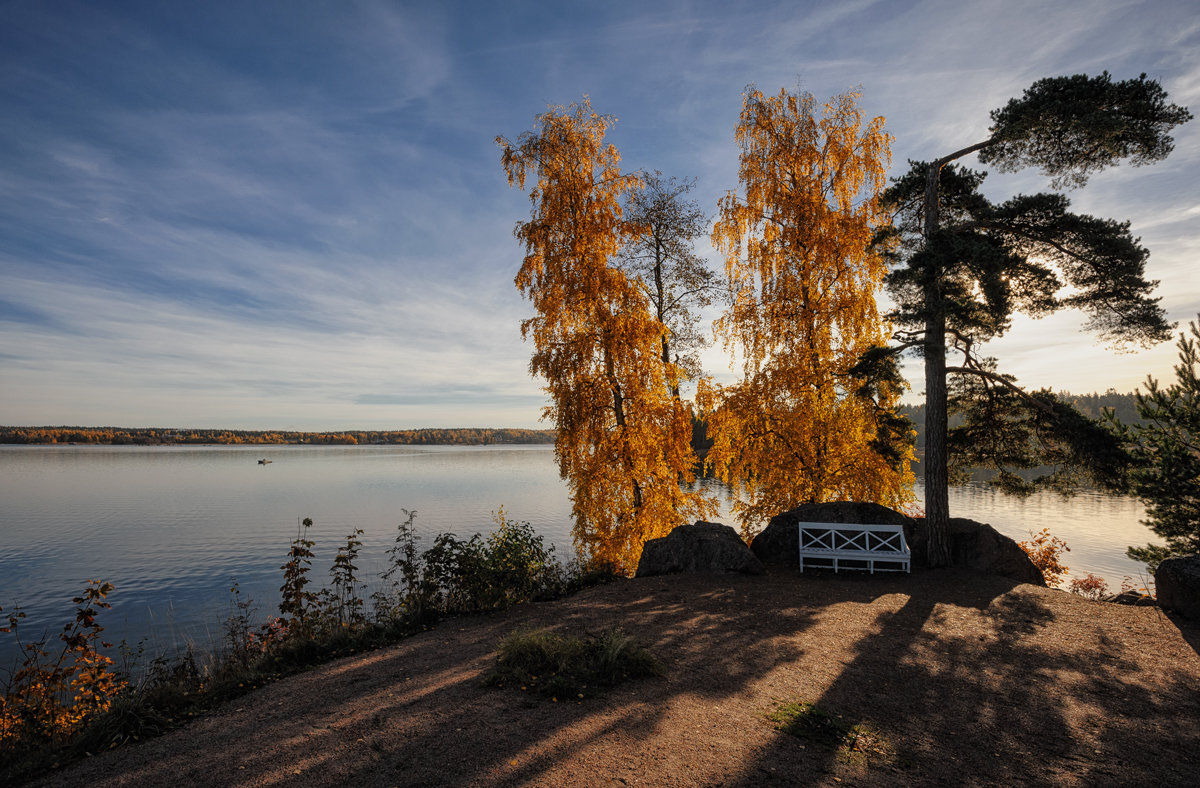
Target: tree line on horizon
pixel 155 436
pixel 1124 408
pixel 810 238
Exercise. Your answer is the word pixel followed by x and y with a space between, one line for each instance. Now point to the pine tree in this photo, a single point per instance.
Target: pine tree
pixel 1166 448
pixel 962 266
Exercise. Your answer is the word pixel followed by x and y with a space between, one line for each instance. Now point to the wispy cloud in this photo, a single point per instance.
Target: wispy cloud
pixel 259 215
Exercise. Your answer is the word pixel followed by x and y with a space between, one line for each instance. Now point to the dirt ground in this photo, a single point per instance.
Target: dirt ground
pixel 959 679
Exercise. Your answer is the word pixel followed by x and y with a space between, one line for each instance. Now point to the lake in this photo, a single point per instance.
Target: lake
pixel 173 527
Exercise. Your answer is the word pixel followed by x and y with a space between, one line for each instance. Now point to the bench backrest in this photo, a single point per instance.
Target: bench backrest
pixel 866 537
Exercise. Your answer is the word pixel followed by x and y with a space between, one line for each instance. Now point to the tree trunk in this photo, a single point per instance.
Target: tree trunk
pixel 619 415
pixel 660 298
pixel 937 492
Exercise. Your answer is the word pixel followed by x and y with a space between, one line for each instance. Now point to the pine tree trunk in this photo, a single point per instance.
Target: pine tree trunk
pixel 937 492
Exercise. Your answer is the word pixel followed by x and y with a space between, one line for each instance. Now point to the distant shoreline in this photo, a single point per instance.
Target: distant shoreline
pixel 161 436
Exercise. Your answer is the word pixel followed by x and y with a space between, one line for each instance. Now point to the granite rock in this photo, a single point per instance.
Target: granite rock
pixel 702 548
pixel 1177 583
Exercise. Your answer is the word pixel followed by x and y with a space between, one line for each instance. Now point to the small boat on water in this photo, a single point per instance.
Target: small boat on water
pixel 264 461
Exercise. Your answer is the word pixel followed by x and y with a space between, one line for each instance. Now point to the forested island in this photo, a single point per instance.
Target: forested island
pixel 159 436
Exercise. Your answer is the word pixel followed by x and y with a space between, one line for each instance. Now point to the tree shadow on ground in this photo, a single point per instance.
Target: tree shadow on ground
pixel 937 662
pixel 1015 698
pixel 418 713
pixel 1189 630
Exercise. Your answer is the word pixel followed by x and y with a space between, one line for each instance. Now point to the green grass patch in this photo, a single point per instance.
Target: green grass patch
pixel 856 744
pixel 570 668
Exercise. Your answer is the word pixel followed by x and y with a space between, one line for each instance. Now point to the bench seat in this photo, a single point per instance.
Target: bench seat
pixel 868 546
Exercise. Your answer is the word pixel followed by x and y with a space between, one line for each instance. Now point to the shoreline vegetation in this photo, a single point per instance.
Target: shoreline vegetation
pixel 65 698
pixel 163 436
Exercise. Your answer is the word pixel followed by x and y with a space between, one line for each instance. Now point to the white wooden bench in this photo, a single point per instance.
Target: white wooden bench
pixel 854 546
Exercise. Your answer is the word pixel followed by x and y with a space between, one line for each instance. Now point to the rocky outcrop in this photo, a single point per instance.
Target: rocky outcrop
pixel 973 545
pixel 779 543
pixel 702 548
pixel 981 547
pixel 1132 598
pixel 1177 583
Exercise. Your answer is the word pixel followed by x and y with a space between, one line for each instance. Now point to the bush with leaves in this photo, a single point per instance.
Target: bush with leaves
pixel 342 606
pixel 412 594
pixel 297 603
pixel 510 566
pixel 1089 587
pixel 570 667
pixel 53 695
pixel 58 706
pixel 1046 551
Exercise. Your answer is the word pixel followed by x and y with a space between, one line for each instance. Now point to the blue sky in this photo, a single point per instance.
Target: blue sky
pixel 293 215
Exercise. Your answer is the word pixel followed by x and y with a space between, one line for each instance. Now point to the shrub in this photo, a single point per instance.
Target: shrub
pixel 1166 474
pixel 1089 587
pixel 412 596
pixel 297 603
pixel 52 696
pixel 342 606
pixel 1045 551
pixel 510 566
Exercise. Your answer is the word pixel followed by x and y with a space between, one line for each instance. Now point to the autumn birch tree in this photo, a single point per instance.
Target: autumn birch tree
pixel 623 442
pixel 800 427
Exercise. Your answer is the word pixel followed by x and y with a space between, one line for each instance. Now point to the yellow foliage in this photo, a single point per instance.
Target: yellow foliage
pixel 49 698
pixel 1045 551
pixel 623 441
pixel 802 280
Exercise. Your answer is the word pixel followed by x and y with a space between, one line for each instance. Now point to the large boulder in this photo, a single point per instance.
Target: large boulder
pixel 981 547
pixel 973 545
pixel 1177 583
pixel 702 548
pixel 779 543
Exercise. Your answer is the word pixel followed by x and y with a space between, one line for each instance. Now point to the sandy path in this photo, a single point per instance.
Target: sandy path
pixel 967 679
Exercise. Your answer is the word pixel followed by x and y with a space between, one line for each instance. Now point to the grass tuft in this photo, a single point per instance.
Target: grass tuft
pixel 570 668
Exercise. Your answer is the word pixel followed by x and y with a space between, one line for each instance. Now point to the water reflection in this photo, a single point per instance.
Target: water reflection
pixel 172 526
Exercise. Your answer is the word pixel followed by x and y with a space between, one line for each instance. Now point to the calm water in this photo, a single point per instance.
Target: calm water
pixel 171 527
